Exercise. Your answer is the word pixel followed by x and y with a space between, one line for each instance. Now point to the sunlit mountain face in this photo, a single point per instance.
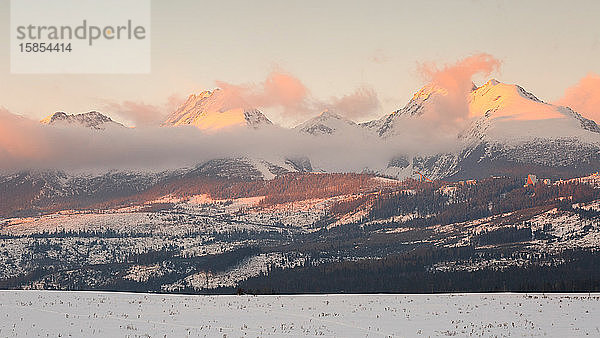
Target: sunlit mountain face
pixel 518 113
pixel 215 110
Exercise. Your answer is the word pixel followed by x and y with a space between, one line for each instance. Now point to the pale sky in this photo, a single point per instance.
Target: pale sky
pixel 333 47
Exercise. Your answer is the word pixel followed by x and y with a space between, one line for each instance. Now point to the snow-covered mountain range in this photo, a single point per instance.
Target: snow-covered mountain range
pixel 506 130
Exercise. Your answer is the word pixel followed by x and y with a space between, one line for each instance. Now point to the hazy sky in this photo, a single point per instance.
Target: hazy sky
pixel 333 47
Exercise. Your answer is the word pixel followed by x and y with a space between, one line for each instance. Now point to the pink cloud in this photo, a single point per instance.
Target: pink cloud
pixel 584 97
pixel 456 74
pixel 143 114
pixel 279 89
pixel 18 137
pixel 287 92
pixel 362 102
pixel 456 81
pixel 27 144
pixel 285 89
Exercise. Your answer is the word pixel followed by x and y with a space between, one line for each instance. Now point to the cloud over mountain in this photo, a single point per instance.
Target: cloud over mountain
pixel 445 122
pixel 584 97
pixel 293 99
pixel 143 114
pixel 456 81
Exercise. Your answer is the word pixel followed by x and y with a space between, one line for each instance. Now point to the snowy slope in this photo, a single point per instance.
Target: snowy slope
pixel 327 123
pixel 246 168
pixel 508 114
pixel 392 124
pixel 92 119
pixel 214 110
pixel 34 191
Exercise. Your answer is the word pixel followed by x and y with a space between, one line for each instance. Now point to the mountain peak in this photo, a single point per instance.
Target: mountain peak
pixel 508 114
pixel 216 109
pixel 326 123
pixel 415 106
pixel 92 119
pixel 328 114
pixel 504 90
pixel 513 100
pixel 492 82
pixel 428 90
pixel 206 93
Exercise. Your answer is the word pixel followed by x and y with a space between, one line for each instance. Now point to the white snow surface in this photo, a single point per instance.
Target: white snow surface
pixel 104 314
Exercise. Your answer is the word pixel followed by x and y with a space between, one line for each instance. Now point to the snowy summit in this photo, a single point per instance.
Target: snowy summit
pixel 92 119
pixel 214 110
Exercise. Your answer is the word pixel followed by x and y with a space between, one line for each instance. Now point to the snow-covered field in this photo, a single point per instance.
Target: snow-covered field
pixel 85 314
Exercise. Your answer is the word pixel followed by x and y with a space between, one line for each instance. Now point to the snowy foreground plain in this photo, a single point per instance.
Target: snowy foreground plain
pixel 104 314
